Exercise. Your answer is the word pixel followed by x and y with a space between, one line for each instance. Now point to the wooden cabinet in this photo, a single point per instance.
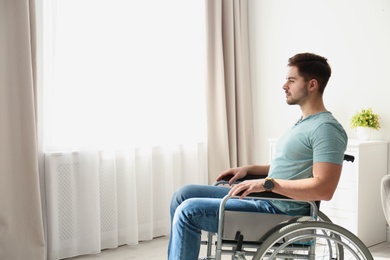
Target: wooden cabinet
pixel 356 204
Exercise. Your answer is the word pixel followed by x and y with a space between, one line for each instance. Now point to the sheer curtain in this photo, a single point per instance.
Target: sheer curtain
pixel 124 115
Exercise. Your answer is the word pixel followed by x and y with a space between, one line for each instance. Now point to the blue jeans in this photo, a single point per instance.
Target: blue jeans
pixel 195 208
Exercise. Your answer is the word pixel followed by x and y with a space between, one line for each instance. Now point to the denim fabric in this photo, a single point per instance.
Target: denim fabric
pixel 195 208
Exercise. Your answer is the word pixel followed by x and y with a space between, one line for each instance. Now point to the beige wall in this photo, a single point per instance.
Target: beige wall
pixel 353 35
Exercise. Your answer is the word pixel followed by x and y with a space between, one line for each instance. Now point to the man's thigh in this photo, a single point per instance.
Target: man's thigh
pixel 201 191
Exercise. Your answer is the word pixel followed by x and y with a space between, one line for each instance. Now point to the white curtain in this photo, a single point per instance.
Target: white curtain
pixel 100 200
pixel 124 116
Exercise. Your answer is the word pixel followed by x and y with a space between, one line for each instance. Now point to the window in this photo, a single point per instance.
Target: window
pixel 124 73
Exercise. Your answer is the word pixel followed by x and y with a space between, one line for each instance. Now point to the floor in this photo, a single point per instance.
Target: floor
pixel 156 250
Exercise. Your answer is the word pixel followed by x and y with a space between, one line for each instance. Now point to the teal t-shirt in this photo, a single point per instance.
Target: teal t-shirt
pixel 317 138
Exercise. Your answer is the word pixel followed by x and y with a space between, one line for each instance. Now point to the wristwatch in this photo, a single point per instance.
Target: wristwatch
pixel 269 184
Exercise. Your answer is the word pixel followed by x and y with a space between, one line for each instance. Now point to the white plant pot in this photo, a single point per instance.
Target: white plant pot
pixel 363 133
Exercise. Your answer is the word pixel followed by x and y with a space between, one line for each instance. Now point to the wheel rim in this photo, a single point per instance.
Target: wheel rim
pixel 319 236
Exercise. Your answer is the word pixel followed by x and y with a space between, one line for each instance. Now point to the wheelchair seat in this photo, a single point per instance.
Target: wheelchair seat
pixel 249 226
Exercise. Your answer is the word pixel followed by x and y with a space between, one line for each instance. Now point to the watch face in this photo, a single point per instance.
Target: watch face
pixel 268 184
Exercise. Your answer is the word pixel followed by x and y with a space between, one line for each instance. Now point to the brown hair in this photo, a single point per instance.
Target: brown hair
pixel 311 66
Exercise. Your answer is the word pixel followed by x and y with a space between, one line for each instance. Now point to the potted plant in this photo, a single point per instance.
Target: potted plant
pixel 364 122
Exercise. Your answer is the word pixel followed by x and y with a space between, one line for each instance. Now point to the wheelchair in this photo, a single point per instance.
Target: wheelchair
pixel 279 236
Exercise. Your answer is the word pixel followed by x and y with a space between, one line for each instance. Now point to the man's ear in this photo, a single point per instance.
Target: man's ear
pixel 313 84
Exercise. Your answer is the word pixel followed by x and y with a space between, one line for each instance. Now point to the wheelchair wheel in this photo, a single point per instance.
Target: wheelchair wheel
pixel 313 240
pixel 323 217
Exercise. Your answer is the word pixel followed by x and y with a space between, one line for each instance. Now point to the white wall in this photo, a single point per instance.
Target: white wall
pixel 355 37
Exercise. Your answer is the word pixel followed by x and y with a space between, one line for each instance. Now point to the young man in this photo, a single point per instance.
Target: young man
pixel 307 165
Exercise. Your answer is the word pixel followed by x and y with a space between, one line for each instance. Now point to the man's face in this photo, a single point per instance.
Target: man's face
pixel 295 87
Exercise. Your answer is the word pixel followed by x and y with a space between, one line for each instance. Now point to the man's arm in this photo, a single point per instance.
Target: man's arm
pixel 321 187
pixel 241 172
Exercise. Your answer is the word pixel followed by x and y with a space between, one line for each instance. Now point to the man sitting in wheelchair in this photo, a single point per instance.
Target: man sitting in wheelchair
pixel 306 166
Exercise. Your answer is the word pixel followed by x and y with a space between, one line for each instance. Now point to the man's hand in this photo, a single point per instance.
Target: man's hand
pixel 247 187
pixel 237 173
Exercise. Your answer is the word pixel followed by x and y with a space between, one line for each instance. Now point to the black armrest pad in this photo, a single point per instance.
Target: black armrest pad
pixel 268 194
pixel 248 177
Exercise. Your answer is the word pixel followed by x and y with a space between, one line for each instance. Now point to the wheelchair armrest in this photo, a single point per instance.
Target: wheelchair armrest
pixel 247 177
pixel 268 194
pixel 226 179
pixel 272 195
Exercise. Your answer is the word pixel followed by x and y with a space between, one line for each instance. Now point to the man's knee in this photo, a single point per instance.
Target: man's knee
pixel 183 211
pixel 181 195
pixel 185 192
pixel 197 214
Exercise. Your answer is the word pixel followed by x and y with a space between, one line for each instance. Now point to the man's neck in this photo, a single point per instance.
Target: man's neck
pixel 312 108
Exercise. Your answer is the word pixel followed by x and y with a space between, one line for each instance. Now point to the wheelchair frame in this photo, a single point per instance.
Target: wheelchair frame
pixel 301 237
